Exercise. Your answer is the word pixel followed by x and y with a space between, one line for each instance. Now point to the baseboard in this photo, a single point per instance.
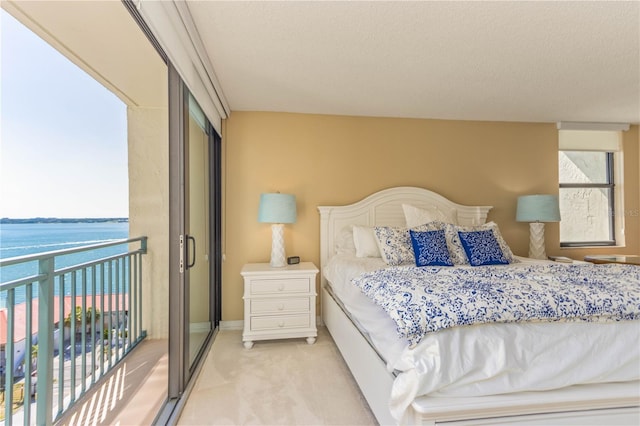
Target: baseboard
pixel 231 325
pixel 200 327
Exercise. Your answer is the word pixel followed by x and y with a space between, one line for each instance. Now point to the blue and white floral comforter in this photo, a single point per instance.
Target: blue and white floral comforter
pixel 429 299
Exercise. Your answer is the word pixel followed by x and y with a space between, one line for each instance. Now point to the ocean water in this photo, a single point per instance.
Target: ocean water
pixel 31 238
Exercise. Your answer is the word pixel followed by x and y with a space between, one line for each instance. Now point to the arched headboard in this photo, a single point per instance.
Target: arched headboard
pixel 384 208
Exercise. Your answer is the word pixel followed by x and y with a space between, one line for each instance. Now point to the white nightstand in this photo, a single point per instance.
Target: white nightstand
pixel 279 303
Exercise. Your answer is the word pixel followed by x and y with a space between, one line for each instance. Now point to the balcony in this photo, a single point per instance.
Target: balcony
pixel 67 326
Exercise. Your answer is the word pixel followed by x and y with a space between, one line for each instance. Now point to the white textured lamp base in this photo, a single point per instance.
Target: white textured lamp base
pixel 278 259
pixel 536 241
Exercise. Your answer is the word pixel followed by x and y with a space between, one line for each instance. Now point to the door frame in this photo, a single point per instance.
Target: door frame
pixel 215 224
pixel 176 233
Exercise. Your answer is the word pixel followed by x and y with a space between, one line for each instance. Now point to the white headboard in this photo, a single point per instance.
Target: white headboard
pixel 384 208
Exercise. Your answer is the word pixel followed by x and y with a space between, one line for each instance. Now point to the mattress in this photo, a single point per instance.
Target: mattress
pixel 487 359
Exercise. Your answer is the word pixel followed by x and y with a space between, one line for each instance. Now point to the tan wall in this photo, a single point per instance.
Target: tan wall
pixel 148 131
pixel 326 160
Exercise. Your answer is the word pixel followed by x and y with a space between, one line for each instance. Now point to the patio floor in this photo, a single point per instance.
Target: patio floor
pixel 132 394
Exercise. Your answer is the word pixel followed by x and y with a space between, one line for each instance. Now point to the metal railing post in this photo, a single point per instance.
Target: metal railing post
pixel 9 358
pixel 44 387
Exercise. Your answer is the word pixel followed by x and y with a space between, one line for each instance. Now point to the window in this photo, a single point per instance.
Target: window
pixel 589 197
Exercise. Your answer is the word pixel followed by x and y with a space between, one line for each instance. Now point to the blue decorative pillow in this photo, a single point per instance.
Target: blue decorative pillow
pixel 458 255
pixel 482 248
pixel 430 248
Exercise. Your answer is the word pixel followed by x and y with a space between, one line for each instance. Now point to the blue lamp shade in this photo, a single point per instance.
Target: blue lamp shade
pixel 538 208
pixel 277 208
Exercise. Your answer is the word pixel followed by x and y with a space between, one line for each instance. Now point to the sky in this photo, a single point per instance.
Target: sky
pixel 63 136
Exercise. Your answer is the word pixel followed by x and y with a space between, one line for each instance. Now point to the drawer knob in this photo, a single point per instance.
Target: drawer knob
pixel 281 307
pixel 281 324
pixel 281 287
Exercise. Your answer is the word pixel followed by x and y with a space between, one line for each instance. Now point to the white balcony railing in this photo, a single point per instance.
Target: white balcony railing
pixel 63 328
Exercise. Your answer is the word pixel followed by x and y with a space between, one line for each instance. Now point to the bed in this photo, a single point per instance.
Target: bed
pixel 402 387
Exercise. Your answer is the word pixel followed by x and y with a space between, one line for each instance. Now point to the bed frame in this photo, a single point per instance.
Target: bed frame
pixel 609 403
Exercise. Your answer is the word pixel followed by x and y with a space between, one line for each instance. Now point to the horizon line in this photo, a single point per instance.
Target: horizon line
pixel 54 218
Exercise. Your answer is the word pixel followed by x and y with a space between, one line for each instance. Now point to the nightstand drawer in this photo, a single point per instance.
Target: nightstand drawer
pixel 295 285
pixel 268 306
pixel 280 322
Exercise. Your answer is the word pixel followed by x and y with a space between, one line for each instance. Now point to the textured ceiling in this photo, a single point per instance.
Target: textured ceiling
pixel 498 61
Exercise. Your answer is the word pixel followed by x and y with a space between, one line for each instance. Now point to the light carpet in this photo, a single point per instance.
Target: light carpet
pixel 279 382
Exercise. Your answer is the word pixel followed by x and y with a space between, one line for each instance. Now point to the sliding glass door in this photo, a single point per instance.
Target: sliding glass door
pixel 195 220
pixel 197 234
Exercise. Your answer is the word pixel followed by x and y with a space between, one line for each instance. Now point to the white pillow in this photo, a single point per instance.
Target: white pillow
pixel 344 241
pixel 365 241
pixel 415 216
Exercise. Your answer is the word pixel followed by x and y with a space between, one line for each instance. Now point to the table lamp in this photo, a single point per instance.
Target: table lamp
pixel 277 209
pixel 537 209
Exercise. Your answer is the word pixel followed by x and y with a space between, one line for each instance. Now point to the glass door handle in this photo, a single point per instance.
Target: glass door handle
pixel 193 240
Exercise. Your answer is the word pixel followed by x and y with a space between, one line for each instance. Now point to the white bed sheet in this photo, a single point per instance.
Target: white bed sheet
pixel 488 359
